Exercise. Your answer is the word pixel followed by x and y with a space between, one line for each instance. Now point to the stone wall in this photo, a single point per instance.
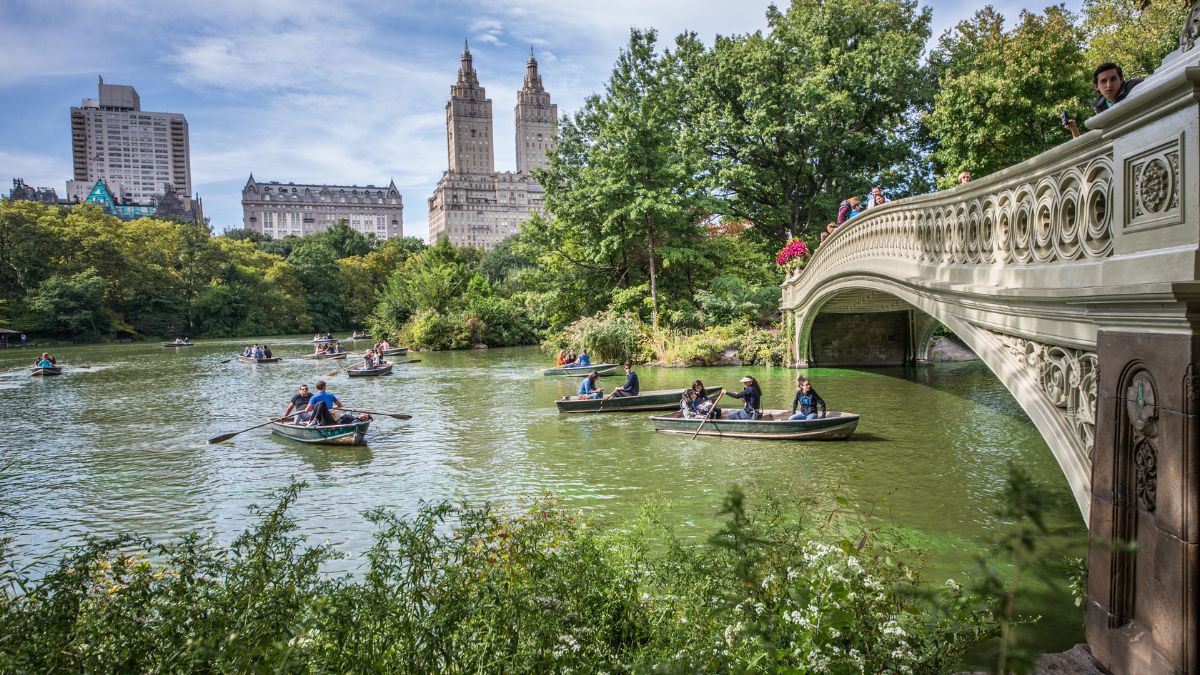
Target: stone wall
pixel 867 339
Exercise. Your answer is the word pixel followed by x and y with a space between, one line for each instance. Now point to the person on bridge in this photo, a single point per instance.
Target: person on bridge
pixel 964 177
pixel 1111 86
pixel 876 197
pixel 807 399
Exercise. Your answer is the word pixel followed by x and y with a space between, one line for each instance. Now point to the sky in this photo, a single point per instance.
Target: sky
pixel 313 91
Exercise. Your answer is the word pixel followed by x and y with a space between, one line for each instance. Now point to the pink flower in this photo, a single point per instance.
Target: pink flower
pixel 793 250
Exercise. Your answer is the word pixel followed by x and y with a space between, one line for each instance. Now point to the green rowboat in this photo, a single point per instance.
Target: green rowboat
pixel 369 372
pixel 326 356
pixel 582 371
pixel 338 434
pixel 774 425
pixel 251 359
pixel 394 351
pixel 663 399
pixel 177 344
pixel 44 372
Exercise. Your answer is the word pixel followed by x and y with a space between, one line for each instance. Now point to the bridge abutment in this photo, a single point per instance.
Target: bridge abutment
pixel 1144 557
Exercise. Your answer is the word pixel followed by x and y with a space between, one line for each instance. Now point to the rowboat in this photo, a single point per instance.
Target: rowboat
pixel 251 359
pixel 663 399
pixel 359 337
pixel 774 425
pixel 177 344
pixel 582 371
pixel 321 341
pixel 369 372
pixel 337 434
pixel 394 351
pixel 43 372
pixel 326 356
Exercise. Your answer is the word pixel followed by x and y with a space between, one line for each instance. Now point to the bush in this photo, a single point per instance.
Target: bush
pixel 460 589
pixel 505 320
pixel 607 336
pixel 763 347
pixel 432 330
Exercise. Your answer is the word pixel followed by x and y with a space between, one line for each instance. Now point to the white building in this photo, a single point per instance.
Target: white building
pixel 473 204
pixel 134 151
pixel 279 209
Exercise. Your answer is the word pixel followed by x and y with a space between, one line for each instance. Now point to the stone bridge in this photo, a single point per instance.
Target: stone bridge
pixel 1075 276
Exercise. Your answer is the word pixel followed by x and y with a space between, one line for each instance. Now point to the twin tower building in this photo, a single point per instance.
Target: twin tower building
pixel 473 205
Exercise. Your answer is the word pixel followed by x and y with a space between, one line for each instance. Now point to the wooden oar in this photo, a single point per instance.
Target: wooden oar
pixel 225 437
pixel 399 416
pixel 710 412
pixel 603 400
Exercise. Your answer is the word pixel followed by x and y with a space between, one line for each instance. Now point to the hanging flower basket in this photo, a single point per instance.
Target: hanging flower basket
pixel 793 256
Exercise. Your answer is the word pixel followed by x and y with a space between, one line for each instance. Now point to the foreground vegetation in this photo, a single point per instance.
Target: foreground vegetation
pixel 533 588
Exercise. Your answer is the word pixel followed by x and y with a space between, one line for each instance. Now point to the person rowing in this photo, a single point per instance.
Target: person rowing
pixel 318 411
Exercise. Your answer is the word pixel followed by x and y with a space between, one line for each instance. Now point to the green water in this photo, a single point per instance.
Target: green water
pixel 120 446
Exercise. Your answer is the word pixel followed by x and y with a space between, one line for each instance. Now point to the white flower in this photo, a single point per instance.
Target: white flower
pixel 953 585
pixel 893 629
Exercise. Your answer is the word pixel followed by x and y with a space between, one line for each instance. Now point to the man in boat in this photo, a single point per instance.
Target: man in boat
pixel 369 360
pixel 267 352
pixel 631 386
pixel 298 404
pixel 317 411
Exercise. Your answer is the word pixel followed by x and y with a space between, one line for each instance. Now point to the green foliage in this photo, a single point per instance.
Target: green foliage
pixel 433 330
pixel 240 233
pixel 317 270
pixel 607 336
pixel 814 110
pixel 344 240
pixel 708 347
pixel 1001 93
pixel 1135 34
pixel 70 306
pixel 460 589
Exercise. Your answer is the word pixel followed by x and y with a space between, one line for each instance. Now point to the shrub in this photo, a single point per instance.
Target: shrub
pixel 607 336
pixel 433 330
pixel 763 347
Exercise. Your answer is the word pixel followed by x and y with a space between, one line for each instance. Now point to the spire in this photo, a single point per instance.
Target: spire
pixel 533 81
pixel 466 69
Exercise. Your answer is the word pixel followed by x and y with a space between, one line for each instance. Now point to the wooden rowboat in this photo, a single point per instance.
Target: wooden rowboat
pixel 394 351
pixel 352 338
pixel 774 425
pixel 337 434
pixel 582 371
pixel 369 372
pixel 251 359
pixel 326 356
pixel 43 372
pixel 321 341
pixel 177 344
pixel 663 399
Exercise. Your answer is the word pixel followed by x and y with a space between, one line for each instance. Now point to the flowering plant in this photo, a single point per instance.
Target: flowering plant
pixel 795 250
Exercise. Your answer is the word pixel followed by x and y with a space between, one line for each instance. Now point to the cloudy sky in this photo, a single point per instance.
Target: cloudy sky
pixel 348 92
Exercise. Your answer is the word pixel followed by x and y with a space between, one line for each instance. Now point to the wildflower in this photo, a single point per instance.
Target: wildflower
pixel 953 585
pixel 893 629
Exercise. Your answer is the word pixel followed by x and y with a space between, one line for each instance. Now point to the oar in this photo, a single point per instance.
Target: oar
pixel 364 362
pixel 224 437
pixel 603 400
pixel 399 416
pixel 710 412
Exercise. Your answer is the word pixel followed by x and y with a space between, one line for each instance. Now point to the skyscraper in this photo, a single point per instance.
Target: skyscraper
pixel 473 204
pixel 134 151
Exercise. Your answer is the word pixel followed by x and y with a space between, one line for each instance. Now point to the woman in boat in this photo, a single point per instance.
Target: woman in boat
pixel 588 388
pixel 703 404
pixel 258 352
pixel 562 359
pixel 751 395
pixel 370 360
pixel 45 362
pixel 687 404
pixel 807 399
pixel 267 352
pixel 583 360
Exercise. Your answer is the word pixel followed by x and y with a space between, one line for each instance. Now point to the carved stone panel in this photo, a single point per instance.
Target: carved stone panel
pixel 1152 190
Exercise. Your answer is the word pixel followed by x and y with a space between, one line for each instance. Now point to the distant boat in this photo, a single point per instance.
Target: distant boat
pixel 251 359
pixel 394 351
pixel 369 372
pixel 774 425
pixel 582 371
pixel 177 344
pixel 324 340
pixel 43 372
pixel 341 355
pixel 337 434
pixel 663 399
pixel 364 336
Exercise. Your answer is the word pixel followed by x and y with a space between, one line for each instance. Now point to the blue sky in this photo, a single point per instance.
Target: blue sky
pixel 321 92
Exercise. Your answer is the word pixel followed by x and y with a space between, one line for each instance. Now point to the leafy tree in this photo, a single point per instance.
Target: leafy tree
pixel 283 246
pixel 1136 34
pixel 70 305
pixel 317 270
pixel 502 265
pixel 240 233
pixel 1001 93
pixel 345 241
pixel 622 185
pixel 816 109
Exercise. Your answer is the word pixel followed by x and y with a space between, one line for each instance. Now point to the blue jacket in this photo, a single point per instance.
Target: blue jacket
pixel 585 387
pixel 631 385
pixel 808 402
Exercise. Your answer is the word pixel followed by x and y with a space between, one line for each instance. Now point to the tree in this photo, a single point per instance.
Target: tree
pixel 240 233
pixel 813 111
pixel 1136 34
pixel 622 185
pixel 317 270
pixel 70 305
pixel 346 241
pixel 1001 94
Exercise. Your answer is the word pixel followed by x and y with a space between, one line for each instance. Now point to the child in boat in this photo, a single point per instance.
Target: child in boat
pixel 45 362
pixel 807 399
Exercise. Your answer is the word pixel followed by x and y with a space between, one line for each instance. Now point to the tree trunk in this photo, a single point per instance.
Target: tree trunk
pixel 653 279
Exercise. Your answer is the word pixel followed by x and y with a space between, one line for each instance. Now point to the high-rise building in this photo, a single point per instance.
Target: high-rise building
pixel 131 150
pixel 473 204
pixel 279 209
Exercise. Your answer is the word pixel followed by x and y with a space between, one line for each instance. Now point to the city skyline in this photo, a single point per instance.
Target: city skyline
pixel 345 93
